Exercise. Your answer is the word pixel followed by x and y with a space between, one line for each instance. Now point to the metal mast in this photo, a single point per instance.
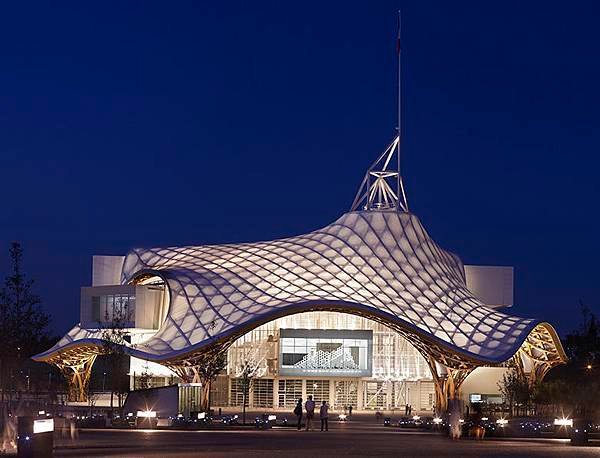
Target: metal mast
pixel 399 50
pixel 377 191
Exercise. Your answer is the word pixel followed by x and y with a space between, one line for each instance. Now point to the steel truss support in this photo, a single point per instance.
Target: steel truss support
pixel 77 373
pixel 382 187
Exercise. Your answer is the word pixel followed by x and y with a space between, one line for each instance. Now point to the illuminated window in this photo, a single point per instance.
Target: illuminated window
pixel 289 392
pixel 318 389
pixel 262 395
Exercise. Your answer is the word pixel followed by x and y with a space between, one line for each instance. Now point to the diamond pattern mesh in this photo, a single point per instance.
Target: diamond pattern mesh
pixel 381 261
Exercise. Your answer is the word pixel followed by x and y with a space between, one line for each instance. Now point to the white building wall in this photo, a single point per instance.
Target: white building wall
pixel 483 380
pixel 106 270
pixel 493 285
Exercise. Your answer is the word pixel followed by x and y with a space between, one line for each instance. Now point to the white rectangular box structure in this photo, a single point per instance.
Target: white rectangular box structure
pixel 106 270
pixel 493 285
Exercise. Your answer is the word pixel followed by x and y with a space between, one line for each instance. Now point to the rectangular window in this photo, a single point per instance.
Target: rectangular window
pixel 96 316
pixel 318 389
pixel 375 395
pixel 346 394
pixel 289 392
pixel 236 397
pixel 262 393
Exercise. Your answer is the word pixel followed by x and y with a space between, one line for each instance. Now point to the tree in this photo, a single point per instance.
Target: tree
pixel 115 336
pixel 208 373
pixel 574 388
pixel 247 373
pixel 145 378
pixel 23 325
pixel 516 390
pixel 583 345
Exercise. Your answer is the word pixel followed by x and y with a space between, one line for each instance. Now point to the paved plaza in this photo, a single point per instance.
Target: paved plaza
pixel 342 440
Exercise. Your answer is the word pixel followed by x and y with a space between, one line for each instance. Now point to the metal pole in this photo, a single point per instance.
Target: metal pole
pixel 399 96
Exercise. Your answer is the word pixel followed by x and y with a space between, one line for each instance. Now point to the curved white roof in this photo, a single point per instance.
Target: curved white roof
pixel 382 264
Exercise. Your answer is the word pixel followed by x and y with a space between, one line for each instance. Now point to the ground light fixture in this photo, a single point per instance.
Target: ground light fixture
pixel 502 422
pixel 416 417
pixel 43 426
pixel 563 422
pixel 146 413
pixel 342 417
pixel 437 421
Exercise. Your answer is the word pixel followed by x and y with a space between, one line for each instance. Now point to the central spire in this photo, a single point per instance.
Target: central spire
pixel 382 188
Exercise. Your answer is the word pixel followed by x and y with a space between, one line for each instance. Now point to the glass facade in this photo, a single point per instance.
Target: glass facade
pixel 393 357
pixel 343 359
pixel 340 358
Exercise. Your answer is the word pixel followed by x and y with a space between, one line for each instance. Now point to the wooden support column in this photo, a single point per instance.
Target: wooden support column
pixel 77 373
pixel 447 382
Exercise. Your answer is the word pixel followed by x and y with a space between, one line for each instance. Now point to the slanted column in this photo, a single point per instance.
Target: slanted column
pixel 447 382
pixel 531 369
pixel 188 374
pixel 77 373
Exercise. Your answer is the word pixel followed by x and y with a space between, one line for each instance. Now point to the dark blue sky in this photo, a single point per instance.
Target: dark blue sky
pixel 157 123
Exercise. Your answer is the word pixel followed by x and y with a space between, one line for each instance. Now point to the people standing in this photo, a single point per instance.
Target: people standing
pixel 310 412
pixel 410 410
pixel 406 410
pixel 324 414
pixel 350 410
pixel 298 413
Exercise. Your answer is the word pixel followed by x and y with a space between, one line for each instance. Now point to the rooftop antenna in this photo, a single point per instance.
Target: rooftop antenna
pixel 377 191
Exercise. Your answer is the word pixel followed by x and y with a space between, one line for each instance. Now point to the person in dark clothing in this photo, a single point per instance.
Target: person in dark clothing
pixel 298 413
pixel 324 414
pixel 350 410
pixel 406 410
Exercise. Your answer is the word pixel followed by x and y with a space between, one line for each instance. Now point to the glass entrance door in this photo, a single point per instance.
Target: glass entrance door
pixel 346 394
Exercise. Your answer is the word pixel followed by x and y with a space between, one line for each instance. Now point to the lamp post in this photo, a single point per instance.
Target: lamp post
pixel 103 382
